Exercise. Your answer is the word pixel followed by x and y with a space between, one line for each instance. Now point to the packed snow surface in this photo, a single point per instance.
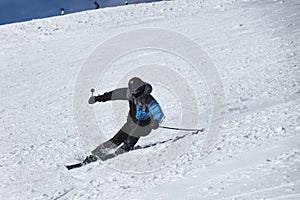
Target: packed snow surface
pixel 253 44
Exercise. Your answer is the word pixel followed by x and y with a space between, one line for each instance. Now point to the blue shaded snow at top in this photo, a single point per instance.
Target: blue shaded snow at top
pixel 19 10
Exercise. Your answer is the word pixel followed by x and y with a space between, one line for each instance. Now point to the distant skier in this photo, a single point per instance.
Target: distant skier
pixel 62 11
pixel 96 5
pixel 144 115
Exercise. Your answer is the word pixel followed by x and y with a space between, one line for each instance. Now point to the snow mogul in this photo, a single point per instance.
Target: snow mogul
pixel 145 114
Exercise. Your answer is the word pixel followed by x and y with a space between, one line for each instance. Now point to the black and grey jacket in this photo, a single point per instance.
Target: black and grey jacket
pixel 142 107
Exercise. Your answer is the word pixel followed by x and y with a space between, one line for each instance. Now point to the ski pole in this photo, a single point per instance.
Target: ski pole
pixel 182 129
pixel 92 91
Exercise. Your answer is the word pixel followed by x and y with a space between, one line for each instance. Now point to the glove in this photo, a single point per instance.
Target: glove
pixel 92 100
pixel 154 124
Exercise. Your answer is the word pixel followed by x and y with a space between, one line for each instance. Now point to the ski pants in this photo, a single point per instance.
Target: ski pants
pixel 129 135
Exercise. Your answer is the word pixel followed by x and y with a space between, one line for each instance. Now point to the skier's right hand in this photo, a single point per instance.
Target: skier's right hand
pixel 92 100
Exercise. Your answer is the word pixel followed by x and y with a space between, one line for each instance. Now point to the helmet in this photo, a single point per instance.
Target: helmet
pixel 135 83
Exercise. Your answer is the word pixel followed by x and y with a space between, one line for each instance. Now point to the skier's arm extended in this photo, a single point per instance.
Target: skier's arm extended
pixel 117 94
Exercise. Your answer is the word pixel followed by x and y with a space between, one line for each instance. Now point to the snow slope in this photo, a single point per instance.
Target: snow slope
pixel 254 45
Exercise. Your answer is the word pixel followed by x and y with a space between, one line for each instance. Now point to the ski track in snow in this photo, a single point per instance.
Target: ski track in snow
pixel 255 46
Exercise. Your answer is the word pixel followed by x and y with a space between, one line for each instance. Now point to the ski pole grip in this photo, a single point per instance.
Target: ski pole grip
pixel 92 91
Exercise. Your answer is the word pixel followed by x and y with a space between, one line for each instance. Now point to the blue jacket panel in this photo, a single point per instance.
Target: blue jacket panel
pixel 152 110
pixel 142 109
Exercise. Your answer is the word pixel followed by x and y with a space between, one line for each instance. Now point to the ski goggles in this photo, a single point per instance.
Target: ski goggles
pixel 135 90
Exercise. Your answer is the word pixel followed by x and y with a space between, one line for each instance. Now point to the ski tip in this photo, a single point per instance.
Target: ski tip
pixel 69 167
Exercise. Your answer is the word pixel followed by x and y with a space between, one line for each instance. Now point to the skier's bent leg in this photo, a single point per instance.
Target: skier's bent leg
pixel 113 143
pixel 128 145
pixel 119 138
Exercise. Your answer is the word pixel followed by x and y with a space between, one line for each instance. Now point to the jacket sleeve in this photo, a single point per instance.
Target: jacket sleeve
pixel 155 110
pixel 117 94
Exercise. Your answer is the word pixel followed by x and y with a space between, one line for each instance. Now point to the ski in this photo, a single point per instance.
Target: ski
pixel 169 140
pixel 87 160
pixel 104 157
pixel 77 165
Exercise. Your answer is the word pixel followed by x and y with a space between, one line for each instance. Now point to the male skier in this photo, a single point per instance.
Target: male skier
pixel 144 115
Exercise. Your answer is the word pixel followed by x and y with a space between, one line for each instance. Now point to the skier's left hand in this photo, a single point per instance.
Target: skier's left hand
pixel 154 124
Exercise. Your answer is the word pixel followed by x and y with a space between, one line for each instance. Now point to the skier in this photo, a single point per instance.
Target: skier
pixel 62 11
pixel 144 115
pixel 96 5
